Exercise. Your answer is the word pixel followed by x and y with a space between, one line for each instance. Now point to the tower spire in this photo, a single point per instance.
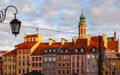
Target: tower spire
pixel 82 26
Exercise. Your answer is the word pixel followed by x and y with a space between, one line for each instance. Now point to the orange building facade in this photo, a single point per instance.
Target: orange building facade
pixel 58 58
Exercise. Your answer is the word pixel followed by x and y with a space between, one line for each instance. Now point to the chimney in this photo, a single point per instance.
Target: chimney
pixel 63 41
pixel 88 40
pixel 105 41
pixel 118 45
pixel 74 40
pixel 114 36
pixel 51 41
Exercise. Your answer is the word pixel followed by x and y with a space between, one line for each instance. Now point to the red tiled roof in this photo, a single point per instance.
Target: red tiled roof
pixel 25 45
pixel 113 45
pixel 30 36
pixel 12 52
pixel 55 45
pixel 40 49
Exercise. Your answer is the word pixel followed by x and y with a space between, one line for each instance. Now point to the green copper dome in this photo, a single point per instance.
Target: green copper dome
pixel 82 19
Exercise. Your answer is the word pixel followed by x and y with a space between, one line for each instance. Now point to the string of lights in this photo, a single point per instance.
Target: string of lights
pixel 38 28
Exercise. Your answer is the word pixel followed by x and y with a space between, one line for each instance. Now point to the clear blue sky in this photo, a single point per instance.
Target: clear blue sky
pixel 102 17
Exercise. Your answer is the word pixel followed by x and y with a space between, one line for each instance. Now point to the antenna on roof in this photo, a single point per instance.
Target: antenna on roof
pixel 37 29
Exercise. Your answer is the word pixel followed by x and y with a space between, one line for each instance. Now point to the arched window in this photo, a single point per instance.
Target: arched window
pixel 54 50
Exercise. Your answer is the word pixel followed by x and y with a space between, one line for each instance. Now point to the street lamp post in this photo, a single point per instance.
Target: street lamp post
pixel 15 23
pixel 100 55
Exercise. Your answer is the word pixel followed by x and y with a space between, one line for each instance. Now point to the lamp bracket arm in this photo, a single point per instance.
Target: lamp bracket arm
pixel 3 13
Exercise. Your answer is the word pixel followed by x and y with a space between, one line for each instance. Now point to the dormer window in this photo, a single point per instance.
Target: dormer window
pixel 45 50
pixel 54 50
pixel 76 50
pixel 82 50
pixel 61 51
pixel 93 49
pixel 34 39
pixel 30 40
pixel 50 50
pixel 66 50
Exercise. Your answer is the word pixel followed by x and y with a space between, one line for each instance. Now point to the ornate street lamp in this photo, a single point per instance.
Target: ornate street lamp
pixel 15 23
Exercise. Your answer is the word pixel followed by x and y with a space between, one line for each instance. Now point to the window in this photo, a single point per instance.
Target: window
pixel 73 70
pixel 33 64
pixel 62 51
pixel 59 71
pixel 40 58
pixel 19 63
pixel 82 49
pixel 23 71
pixel 63 71
pixel 19 71
pixel 32 58
pixel 23 57
pixel 66 51
pixel 19 57
pixel 88 56
pixel 82 64
pixel 93 49
pixel 67 64
pixel 50 59
pixel 23 63
pixel 40 64
pixel 36 64
pixel 54 50
pixel 45 50
pixel 82 70
pixel 36 58
pixel 76 50
pixel 77 70
pixel 59 64
pixel 46 59
pixel 77 64
pixel 77 57
pixel 54 59
pixel 73 64
pixel 30 40
pixel 34 39
pixel 50 50
pixel 67 71
pixel 63 64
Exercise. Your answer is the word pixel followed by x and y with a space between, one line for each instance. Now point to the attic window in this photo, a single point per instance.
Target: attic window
pixel 45 50
pixel 50 50
pixel 76 50
pixel 54 50
pixel 27 40
pixel 66 50
pixel 93 49
pixel 34 39
pixel 82 50
pixel 30 40
pixel 61 51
